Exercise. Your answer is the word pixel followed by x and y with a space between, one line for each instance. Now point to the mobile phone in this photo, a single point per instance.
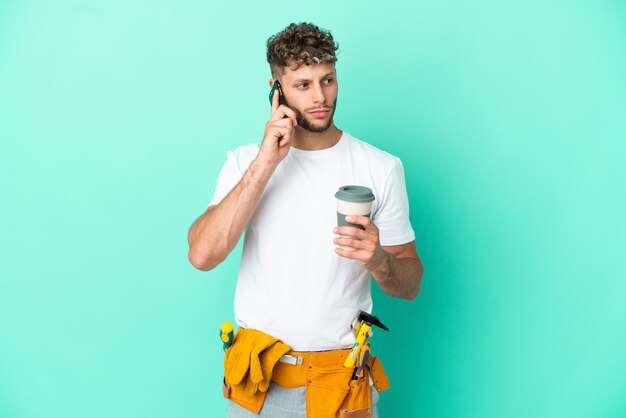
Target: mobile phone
pixel 281 96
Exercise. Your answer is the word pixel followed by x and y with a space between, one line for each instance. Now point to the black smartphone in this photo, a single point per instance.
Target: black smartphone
pixel 281 96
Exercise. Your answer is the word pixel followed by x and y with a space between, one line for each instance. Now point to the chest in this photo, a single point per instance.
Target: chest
pixel 301 193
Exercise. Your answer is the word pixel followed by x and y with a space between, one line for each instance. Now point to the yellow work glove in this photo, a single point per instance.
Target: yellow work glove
pixel 266 361
pixel 248 344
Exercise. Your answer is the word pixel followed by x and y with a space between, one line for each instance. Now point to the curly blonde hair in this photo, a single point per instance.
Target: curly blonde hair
pixel 298 44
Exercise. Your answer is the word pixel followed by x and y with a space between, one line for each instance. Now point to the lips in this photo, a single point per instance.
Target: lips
pixel 320 113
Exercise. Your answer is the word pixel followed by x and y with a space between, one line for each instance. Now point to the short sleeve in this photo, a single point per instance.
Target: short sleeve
pixel 237 163
pixel 228 178
pixel 392 215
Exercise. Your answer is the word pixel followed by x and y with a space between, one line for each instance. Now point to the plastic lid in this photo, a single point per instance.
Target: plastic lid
pixel 356 194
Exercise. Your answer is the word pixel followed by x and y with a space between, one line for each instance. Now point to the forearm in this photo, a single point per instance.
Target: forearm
pixel 216 233
pixel 399 277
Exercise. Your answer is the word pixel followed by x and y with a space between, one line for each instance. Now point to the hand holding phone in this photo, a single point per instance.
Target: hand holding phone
pixel 279 128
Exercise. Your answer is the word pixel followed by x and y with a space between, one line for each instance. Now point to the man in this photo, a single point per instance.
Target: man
pixel 295 285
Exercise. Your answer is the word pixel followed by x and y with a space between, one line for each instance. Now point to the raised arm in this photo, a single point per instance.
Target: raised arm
pixel 214 234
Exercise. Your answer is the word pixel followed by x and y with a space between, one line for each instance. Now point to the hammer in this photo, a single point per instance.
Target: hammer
pixel 363 333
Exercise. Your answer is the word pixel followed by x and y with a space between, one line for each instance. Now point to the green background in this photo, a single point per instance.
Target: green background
pixel 510 119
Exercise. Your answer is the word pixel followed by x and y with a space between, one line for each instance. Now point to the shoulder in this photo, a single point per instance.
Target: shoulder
pixel 245 151
pixel 373 155
pixel 243 156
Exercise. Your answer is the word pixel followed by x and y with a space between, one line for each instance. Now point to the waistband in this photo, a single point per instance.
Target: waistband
pixel 293 369
pixel 327 358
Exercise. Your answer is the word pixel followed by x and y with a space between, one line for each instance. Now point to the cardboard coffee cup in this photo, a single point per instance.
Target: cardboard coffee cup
pixel 353 200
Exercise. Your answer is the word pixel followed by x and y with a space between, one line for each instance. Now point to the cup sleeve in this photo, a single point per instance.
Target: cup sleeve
pixel 392 215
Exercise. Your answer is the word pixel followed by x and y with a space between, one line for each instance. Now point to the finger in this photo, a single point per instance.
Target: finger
pixel 282 132
pixel 251 387
pixel 284 141
pixel 353 243
pixel 239 369
pixel 283 136
pixel 290 114
pixel 283 111
pixel 350 231
pixel 354 255
pixel 360 220
pixel 285 122
pixel 256 372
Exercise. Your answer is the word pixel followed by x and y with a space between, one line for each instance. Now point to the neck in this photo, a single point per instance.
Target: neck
pixel 315 141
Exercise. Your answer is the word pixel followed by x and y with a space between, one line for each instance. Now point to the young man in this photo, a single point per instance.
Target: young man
pixel 297 292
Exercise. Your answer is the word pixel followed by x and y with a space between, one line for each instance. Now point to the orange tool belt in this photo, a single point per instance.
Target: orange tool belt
pixel 330 390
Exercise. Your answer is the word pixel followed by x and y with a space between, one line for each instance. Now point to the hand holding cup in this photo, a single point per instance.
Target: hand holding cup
pixel 353 200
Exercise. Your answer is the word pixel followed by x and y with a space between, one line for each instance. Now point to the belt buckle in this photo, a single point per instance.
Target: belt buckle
pixel 289 359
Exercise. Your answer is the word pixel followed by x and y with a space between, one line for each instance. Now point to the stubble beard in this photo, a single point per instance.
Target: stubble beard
pixel 305 124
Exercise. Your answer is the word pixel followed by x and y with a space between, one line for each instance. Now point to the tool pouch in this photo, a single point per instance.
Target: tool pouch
pixel 358 413
pixel 237 394
pixel 358 402
pixel 327 389
pixel 330 393
pixel 245 357
pixel 379 377
pixel 330 390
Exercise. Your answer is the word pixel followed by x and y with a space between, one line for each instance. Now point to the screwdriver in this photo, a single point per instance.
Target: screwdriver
pixel 363 357
pixel 226 334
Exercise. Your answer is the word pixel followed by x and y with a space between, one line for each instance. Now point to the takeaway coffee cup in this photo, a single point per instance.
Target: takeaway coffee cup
pixel 353 200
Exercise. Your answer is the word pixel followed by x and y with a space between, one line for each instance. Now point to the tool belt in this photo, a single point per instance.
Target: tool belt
pixel 330 390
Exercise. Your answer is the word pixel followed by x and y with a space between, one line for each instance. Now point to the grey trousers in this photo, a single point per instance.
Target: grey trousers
pixel 285 403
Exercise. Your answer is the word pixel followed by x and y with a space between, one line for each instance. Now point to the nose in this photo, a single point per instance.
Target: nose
pixel 318 94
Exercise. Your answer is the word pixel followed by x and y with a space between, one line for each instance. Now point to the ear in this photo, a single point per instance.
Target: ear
pixel 271 82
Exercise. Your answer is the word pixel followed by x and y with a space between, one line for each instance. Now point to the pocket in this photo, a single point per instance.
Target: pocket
pixel 379 376
pixel 253 403
pixel 326 390
pixel 332 378
pixel 359 399
pixel 225 388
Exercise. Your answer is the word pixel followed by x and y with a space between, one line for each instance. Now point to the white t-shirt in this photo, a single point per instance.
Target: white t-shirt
pixel 291 283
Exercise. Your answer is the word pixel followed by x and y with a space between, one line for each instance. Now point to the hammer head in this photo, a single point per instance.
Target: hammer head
pixel 370 319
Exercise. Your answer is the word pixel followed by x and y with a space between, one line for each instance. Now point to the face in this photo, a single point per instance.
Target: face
pixel 310 88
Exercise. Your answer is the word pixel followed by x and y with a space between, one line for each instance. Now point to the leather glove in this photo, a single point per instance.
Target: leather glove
pixel 266 361
pixel 247 345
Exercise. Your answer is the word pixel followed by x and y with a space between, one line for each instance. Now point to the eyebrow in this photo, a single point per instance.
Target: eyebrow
pixel 306 79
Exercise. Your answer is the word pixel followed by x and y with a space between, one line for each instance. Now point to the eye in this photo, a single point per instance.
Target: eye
pixel 329 81
pixel 301 85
